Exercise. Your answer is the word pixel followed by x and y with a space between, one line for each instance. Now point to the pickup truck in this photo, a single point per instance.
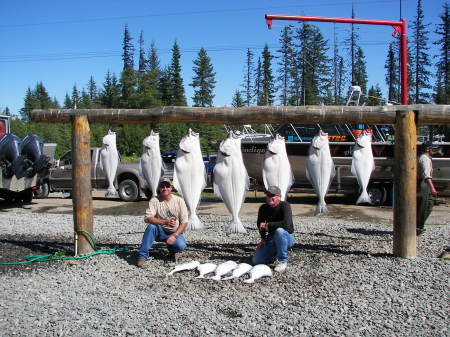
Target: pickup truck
pixel 129 183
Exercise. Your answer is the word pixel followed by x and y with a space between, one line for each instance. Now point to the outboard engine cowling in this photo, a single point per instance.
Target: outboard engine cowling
pixel 9 154
pixel 32 158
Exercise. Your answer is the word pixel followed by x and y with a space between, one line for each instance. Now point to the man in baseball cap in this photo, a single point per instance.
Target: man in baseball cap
pixel 276 229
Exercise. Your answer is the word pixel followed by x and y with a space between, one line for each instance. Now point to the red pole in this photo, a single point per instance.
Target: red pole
pixel 399 26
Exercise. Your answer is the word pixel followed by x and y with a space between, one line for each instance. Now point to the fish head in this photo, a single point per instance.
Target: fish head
pixel 151 142
pixel 320 140
pixel 364 139
pixel 231 145
pixel 276 144
pixel 190 142
pixel 110 139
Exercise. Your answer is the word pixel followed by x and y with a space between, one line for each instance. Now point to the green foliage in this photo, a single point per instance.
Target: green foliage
pixel 203 81
pixel 442 88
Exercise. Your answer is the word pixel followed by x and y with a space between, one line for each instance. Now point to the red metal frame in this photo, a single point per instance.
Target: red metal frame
pixel 399 28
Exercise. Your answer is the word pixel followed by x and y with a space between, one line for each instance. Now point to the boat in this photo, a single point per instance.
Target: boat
pixel 342 139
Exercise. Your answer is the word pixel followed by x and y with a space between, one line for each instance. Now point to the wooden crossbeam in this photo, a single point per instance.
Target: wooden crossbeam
pixel 427 114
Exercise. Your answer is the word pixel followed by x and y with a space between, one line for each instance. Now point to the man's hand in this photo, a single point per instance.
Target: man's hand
pixel 263 226
pixel 261 244
pixel 171 239
pixel 171 222
pixel 433 192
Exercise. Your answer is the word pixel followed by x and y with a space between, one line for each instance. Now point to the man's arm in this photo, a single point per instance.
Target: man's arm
pixel 261 219
pixel 285 222
pixel 157 221
pixel 180 230
pixel 430 184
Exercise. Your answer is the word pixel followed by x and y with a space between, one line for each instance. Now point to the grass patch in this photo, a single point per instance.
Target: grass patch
pixel 437 224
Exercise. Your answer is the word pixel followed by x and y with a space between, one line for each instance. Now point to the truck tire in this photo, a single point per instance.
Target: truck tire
pixel 42 192
pixel 129 190
pixel 377 194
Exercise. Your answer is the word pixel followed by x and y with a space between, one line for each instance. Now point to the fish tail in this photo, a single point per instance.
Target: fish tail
pixel 364 198
pixel 321 208
pixel 200 276
pixel 237 227
pixel 194 222
pixel 228 278
pixel 250 280
pixel 110 191
pixel 216 278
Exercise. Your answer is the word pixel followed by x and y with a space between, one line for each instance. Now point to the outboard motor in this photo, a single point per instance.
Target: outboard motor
pixel 32 158
pixel 9 154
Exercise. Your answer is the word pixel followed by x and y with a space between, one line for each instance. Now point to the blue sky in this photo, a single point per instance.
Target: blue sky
pixel 63 43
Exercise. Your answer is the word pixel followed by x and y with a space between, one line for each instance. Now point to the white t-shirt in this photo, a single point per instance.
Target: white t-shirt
pixel 162 209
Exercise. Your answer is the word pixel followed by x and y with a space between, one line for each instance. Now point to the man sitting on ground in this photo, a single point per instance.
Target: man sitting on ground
pixel 275 227
pixel 167 218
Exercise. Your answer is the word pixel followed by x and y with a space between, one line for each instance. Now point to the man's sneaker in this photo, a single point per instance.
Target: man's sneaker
pixel 140 262
pixel 281 267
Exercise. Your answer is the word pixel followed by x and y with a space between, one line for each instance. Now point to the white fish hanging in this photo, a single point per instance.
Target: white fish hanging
pixel 320 169
pixel 150 166
pixel 223 269
pixel 276 167
pixel 109 160
pixel 184 266
pixel 205 269
pixel 231 181
pixel 241 269
pixel 363 164
pixel 258 271
pixel 189 176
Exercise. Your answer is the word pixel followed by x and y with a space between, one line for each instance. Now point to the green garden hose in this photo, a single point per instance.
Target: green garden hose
pixel 52 257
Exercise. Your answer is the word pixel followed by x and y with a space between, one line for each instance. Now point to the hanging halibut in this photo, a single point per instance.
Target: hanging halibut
pixel 231 180
pixel 276 167
pixel 109 160
pixel 363 164
pixel 189 176
pixel 150 165
pixel 320 169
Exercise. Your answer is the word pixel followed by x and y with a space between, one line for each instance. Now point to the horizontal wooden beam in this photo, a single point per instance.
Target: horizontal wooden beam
pixel 427 114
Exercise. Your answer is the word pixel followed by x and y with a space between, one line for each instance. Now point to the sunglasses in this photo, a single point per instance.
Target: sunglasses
pixel 165 186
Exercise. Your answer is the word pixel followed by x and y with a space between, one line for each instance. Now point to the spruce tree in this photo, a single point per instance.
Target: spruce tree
pixel 178 97
pixel 421 57
pixel 248 78
pixel 237 100
pixel 267 93
pixel 359 71
pixel 92 89
pixel 392 73
pixel 203 81
pixel 442 87
pixel 142 60
pixel 338 73
pixel 314 65
pixel 258 82
pixel 110 95
pixel 375 96
pixel 128 50
pixel 67 102
pixel 286 61
pixel 165 87
pixel 75 97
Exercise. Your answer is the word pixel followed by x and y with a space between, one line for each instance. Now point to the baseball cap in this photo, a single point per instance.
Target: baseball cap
pixel 273 190
pixel 165 182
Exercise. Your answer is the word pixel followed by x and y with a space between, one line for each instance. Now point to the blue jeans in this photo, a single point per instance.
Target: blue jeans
pixel 156 233
pixel 277 245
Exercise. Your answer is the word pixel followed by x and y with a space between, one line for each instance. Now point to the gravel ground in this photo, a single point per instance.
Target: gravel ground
pixel 341 281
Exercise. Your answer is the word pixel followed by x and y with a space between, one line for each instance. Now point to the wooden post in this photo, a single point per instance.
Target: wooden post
pixel 405 182
pixel 81 184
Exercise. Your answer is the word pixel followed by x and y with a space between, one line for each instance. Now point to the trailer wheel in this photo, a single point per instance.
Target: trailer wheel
pixel 27 196
pixel 377 194
pixel 42 192
pixel 129 190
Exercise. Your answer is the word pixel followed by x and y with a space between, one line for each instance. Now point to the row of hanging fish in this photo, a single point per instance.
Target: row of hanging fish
pixel 22 157
pixel 225 271
pixel 320 169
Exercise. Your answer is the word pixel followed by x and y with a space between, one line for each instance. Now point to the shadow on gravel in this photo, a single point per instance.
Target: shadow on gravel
pixel 369 231
pixel 6 205
pixel 336 249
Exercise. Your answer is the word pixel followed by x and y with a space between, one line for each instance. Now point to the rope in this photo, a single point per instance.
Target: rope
pixel 53 257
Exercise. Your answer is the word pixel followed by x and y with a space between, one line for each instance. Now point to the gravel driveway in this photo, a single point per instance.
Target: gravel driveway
pixel 341 281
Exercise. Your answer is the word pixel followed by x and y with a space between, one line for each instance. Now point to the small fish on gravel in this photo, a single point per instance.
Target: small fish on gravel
pixel 258 271
pixel 184 266
pixel 223 269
